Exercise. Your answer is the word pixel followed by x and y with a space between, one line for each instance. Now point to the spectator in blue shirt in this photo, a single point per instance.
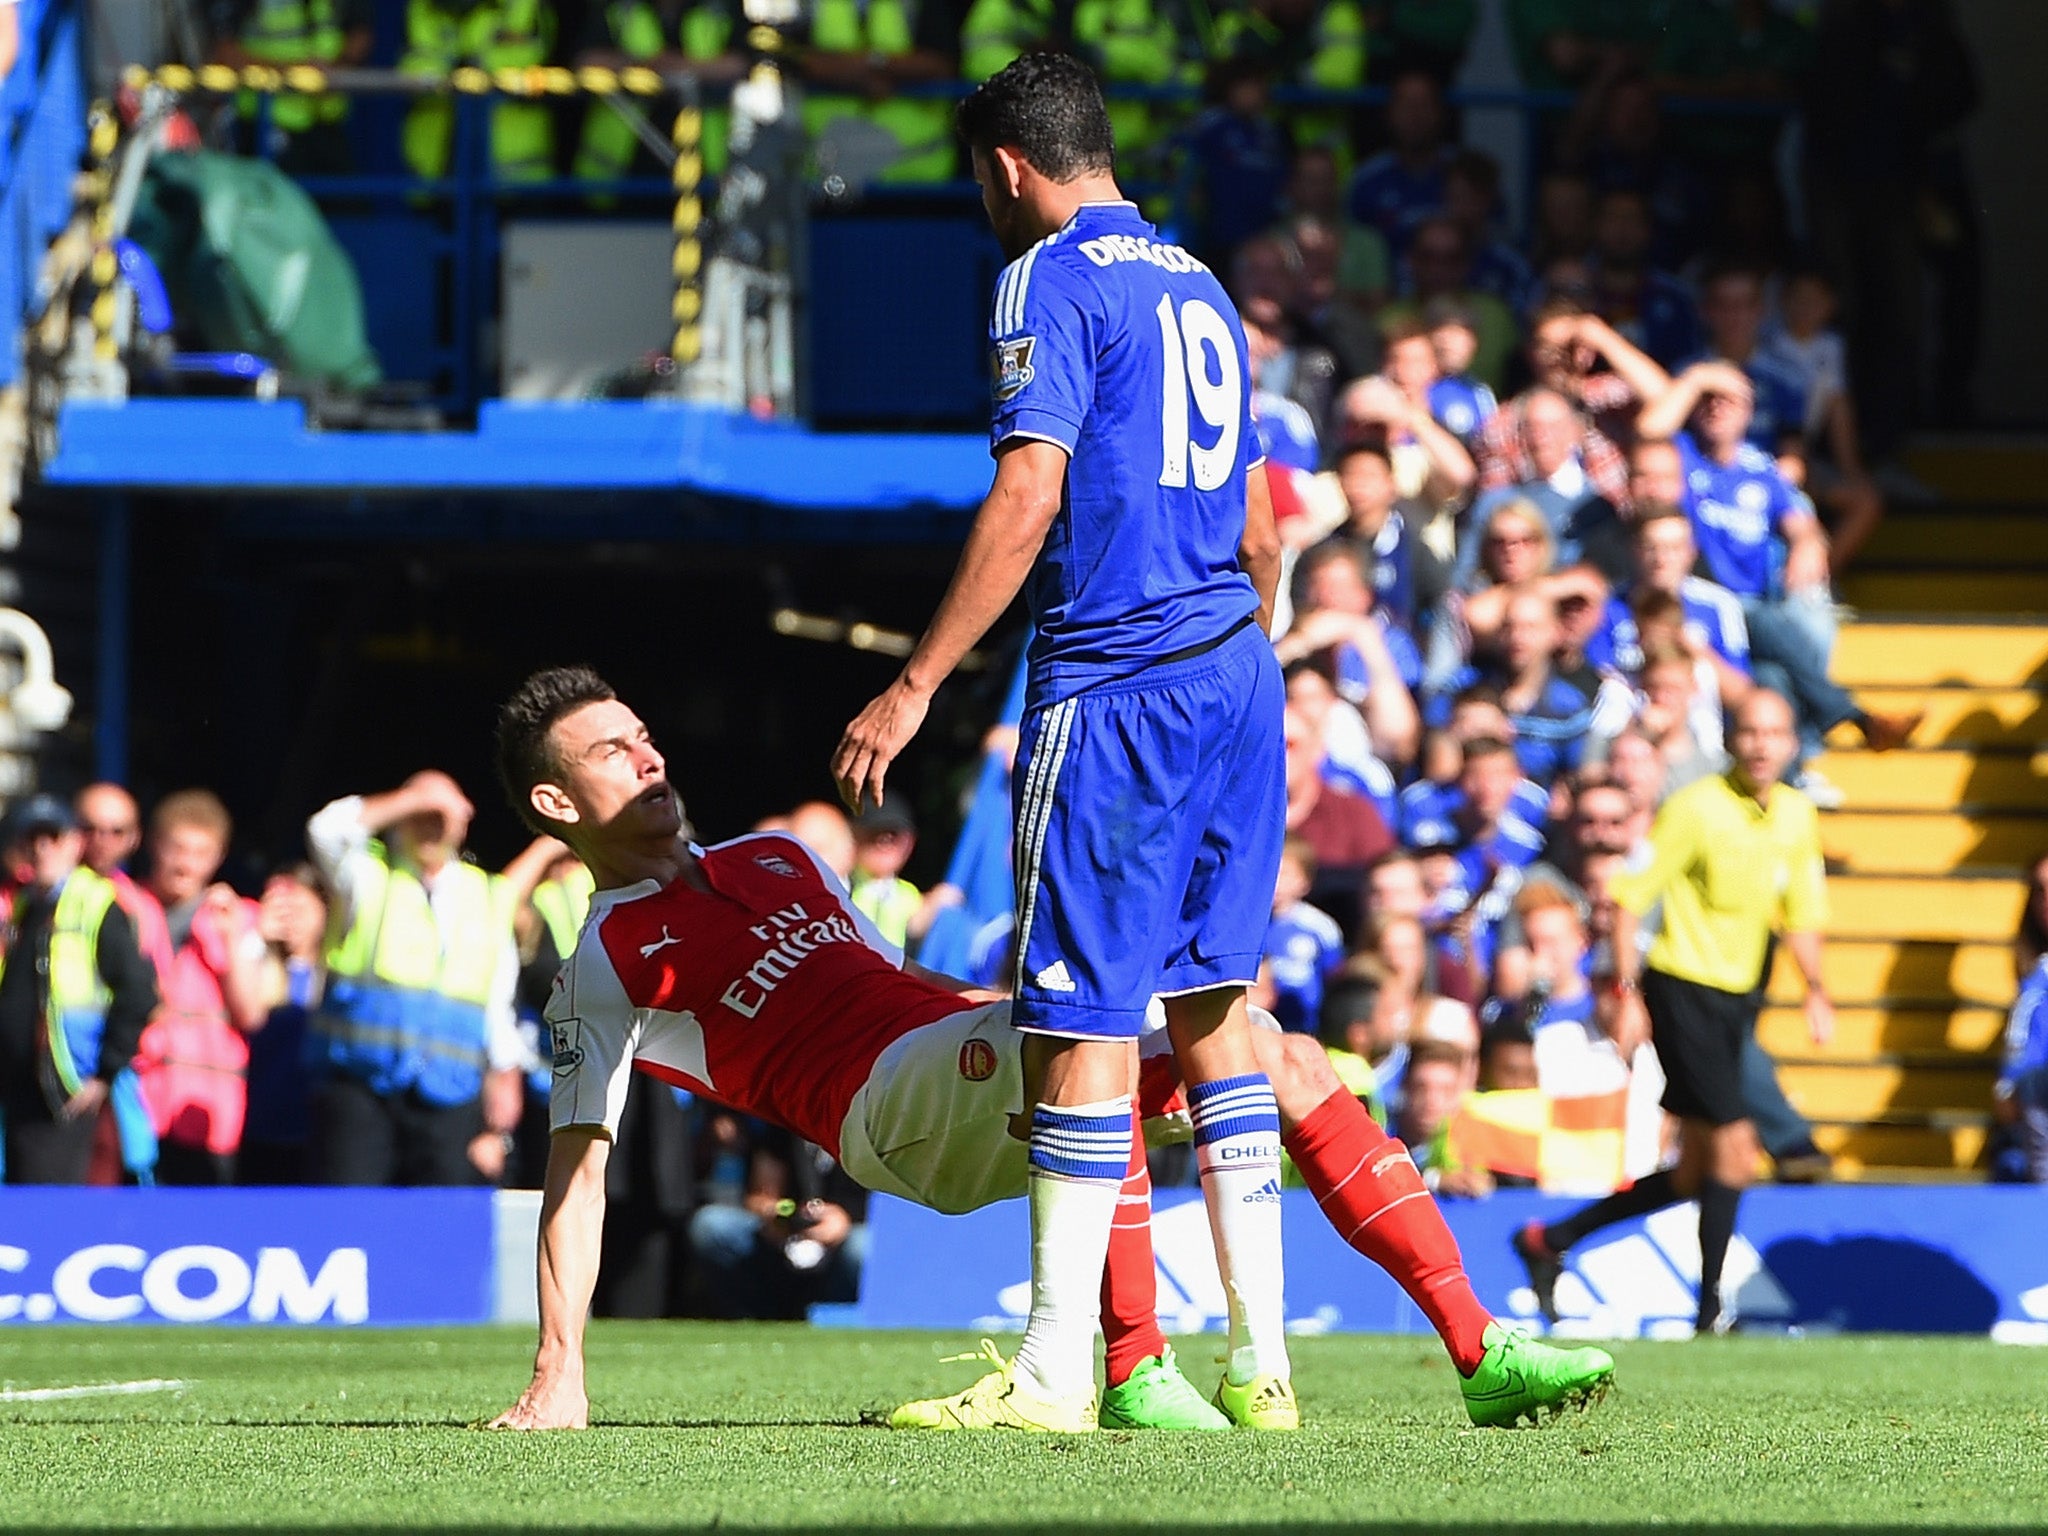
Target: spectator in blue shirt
pixel 1739 502
pixel 292 919
pixel 1649 306
pixel 1460 402
pixel 1408 577
pixel 1396 189
pixel 1303 945
pixel 1732 304
pixel 1553 712
pixel 2020 1096
pixel 1238 153
pixel 1373 658
pixel 1665 554
pixel 1433 800
pixel 1738 498
pixel 1349 762
pixel 1472 202
pixel 1483 815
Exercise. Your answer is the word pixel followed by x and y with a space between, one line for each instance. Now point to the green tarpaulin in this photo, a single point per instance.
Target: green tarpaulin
pixel 252 267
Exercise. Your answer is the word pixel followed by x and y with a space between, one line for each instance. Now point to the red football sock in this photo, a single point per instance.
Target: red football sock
pixel 1368 1187
pixel 1130 1284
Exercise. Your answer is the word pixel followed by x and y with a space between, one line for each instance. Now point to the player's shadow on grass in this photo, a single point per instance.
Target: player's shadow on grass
pixel 1880 1285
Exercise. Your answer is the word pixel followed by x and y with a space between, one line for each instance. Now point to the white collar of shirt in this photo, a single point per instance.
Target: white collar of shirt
pixel 1570 479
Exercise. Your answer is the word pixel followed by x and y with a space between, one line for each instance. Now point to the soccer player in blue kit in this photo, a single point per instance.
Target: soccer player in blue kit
pixel 1150 774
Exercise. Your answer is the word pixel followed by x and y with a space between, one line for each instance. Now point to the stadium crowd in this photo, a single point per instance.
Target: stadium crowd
pixel 1552 507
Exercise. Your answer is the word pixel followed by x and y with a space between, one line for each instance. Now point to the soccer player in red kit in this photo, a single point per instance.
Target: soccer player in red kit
pixel 744 973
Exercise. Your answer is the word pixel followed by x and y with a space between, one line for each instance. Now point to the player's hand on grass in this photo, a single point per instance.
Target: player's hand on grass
pixel 550 1404
pixel 871 743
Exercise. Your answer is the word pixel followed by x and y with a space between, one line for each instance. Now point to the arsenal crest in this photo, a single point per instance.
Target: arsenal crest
pixel 977 1061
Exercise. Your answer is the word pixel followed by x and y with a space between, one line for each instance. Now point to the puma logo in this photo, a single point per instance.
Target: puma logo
pixel 648 950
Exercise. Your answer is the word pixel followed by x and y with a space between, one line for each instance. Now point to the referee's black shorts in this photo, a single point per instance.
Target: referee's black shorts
pixel 1699 1032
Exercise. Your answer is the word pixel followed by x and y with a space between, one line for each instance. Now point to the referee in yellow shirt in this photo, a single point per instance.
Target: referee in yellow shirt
pixel 1732 858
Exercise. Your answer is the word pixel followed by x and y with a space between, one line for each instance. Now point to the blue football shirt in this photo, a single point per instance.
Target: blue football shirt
pixel 1713 616
pixel 1736 510
pixel 1125 351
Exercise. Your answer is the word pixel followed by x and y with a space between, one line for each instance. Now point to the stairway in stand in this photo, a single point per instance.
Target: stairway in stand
pixel 1930 850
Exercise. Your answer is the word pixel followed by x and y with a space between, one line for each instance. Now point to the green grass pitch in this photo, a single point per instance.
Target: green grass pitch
pixel 759 1427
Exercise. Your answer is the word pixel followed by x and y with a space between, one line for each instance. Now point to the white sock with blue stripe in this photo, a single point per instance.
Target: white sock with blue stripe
pixel 1078 1156
pixel 1237 1149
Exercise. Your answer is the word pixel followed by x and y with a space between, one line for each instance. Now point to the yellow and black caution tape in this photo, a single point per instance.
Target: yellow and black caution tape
pixel 687 176
pixel 310 80
pixel 103 136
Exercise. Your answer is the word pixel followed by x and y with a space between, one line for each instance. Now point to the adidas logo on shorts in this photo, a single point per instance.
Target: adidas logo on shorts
pixel 1054 978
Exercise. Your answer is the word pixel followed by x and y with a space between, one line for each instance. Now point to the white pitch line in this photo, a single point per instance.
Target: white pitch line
pixel 98 1389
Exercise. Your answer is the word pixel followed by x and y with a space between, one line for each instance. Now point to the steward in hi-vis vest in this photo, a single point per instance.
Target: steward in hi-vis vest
pixel 417 1017
pixel 75 993
pixel 443 35
pixel 861 52
pixel 699 37
pixel 306 130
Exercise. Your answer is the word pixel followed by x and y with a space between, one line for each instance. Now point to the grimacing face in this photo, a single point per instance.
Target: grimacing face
pixel 612 784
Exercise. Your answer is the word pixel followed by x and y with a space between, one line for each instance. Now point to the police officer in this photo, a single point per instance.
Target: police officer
pixel 414 1042
pixel 75 992
pixel 308 132
pixel 693 37
pixel 443 35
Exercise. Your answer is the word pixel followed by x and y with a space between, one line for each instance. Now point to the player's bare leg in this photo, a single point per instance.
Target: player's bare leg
pixel 1237 1149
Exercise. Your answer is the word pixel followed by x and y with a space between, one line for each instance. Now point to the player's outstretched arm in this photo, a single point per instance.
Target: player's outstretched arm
pixel 1008 533
pixel 571 1236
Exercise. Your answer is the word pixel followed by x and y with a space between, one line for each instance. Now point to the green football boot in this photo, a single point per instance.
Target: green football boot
pixel 1158 1396
pixel 1522 1378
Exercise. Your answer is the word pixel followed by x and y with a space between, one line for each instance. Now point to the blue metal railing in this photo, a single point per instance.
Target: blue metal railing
pixel 468 206
pixel 42 135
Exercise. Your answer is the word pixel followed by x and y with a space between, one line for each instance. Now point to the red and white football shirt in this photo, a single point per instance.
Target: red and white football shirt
pixel 770 993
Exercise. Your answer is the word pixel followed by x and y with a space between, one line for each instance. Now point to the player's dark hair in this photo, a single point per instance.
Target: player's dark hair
pixel 1048 108
pixel 524 721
